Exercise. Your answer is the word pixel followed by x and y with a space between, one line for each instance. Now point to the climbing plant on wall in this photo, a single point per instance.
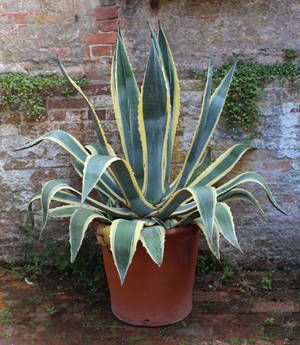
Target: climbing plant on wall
pixel 241 110
pixel 28 93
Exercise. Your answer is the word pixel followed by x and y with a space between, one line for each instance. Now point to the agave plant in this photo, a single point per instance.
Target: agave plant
pixel 137 200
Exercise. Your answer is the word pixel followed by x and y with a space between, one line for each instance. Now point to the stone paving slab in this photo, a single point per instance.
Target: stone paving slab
pixel 235 311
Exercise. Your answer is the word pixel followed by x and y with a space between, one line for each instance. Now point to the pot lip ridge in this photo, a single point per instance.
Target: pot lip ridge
pixel 182 229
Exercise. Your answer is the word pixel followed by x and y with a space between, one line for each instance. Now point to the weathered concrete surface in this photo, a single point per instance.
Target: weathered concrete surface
pixel 82 33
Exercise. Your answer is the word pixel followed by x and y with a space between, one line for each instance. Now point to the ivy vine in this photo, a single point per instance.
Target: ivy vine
pixel 28 93
pixel 241 109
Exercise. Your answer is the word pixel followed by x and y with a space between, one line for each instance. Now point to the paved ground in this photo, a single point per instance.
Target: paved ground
pixel 246 308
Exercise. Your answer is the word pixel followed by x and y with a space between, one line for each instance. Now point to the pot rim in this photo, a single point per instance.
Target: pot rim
pixel 180 229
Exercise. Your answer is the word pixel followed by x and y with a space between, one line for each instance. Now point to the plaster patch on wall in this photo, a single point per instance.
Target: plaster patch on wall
pixel 289 142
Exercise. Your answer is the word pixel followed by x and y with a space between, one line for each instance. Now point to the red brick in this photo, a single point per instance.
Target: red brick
pixel 155 9
pixel 100 113
pixel 37 178
pixel 268 307
pixel 167 341
pixel 210 296
pixel 71 127
pixel 21 26
pixel 211 320
pixel 105 13
pixel 178 157
pixel 35 129
pixel 282 164
pixel 18 17
pixel 91 75
pixel 88 52
pixel 219 308
pixel 12 119
pixel 57 115
pixel 110 114
pixel 107 25
pixel 263 342
pixel 102 38
pixel 61 52
pixel 77 115
pixel 201 332
pixel 101 50
pixel 208 17
pixel 57 91
pixel 229 330
pixel 15 164
pixel 66 103
pixel 97 89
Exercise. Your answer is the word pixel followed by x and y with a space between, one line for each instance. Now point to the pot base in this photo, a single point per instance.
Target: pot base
pixel 150 323
pixel 151 295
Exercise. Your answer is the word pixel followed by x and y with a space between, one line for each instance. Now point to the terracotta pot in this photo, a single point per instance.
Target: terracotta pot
pixel 152 295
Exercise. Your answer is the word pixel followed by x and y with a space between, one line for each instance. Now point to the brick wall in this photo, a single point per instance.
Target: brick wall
pixel 33 32
pixel 83 34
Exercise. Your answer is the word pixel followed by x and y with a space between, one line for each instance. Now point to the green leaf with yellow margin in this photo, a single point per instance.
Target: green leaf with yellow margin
pixel 94 168
pixel 174 88
pixel 154 121
pixel 210 114
pixel 184 209
pixel 241 194
pixel 34 197
pixel 125 96
pixel 72 197
pixel 49 190
pixel 201 167
pixel 205 199
pixel 63 139
pixel 224 223
pixel 107 178
pixel 213 245
pixel 121 171
pixel 123 174
pixel 153 239
pixel 124 236
pixel 68 210
pixel 221 166
pixel 79 223
pixel 249 177
pixel 64 211
pixel 106 186
pixel 188 218
pixel 105 147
